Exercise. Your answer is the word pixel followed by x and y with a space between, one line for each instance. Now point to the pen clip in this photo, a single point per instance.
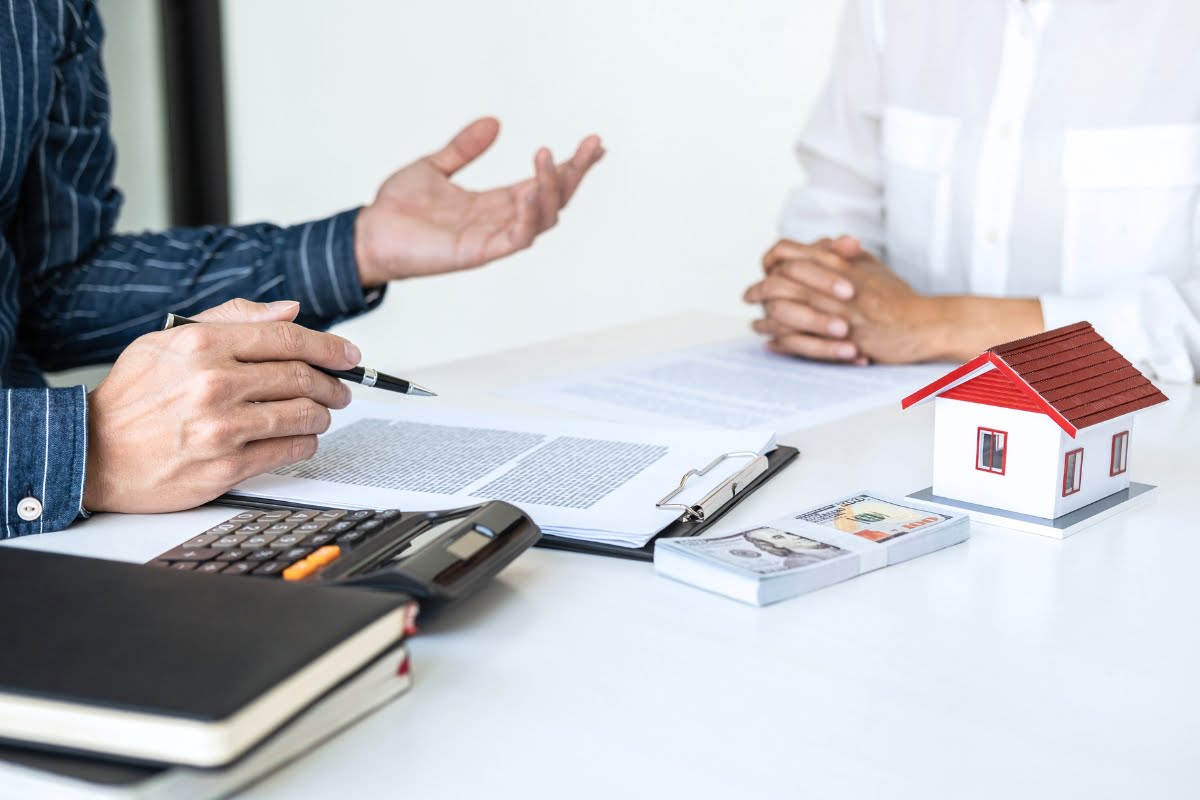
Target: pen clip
pixel 722 494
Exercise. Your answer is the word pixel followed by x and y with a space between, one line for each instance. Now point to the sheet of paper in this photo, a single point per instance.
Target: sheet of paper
pixel 734 384
pixel 589 480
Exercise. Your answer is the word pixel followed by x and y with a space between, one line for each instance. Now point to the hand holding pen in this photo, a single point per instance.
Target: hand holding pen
pixel 364 376
pixel 184 415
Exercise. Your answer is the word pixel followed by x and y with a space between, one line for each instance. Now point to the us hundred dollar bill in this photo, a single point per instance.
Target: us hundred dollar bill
pixel 871 518
pixel 763 551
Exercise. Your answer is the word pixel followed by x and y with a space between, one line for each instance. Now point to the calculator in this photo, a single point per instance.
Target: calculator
pixel 434 556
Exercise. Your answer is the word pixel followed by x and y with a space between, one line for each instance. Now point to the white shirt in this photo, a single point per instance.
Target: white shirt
pixel 1045 149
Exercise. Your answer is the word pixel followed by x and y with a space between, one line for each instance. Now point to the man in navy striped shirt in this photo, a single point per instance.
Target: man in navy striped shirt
pixel 187 413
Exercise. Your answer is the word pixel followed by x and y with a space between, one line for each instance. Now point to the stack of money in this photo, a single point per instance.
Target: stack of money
pixel 811 549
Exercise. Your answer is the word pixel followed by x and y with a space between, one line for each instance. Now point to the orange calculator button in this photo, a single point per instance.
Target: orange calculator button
pixel 299 571
pixel 325 554
pixel 315 560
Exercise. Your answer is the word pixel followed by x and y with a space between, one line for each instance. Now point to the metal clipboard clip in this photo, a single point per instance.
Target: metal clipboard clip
pixel 721 495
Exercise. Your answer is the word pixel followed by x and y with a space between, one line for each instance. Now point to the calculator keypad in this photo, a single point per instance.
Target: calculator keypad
pixel 282 543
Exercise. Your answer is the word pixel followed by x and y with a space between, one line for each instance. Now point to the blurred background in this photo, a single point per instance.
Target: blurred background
pixel 697 101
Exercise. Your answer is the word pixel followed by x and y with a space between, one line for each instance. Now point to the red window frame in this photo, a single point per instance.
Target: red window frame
pixel 1067 472
pixel 979 432
pixel 1112 458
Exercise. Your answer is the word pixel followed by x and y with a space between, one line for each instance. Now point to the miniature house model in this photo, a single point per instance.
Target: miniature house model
pixel 1041 426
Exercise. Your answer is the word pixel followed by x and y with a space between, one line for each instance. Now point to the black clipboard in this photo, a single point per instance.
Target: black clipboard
pixel 695 518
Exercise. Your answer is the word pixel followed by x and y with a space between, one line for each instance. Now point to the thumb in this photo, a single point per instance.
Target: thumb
pixel 847 247
pixel 241 310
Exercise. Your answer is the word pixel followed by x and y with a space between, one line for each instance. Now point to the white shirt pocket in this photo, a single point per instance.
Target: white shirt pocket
pixel 1130 205
pixel 919 157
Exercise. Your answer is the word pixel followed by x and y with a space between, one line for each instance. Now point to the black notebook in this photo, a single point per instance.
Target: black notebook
pixel 167 666
pixel 28 773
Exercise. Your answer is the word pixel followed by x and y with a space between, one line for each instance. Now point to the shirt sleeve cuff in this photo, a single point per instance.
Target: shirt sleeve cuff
pixel 319 265
pixel 45 458
pixel 1156 347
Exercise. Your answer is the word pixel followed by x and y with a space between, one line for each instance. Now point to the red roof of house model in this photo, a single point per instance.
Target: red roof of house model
pixel 1070 374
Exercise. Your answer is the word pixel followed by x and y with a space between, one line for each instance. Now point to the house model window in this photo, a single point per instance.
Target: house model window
pixel 990 451
pixel 1072 472
pixel 1120 453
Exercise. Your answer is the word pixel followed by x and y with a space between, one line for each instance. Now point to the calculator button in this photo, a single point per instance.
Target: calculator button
pixel 256 542
pixel 302 516
pixel 270 568
pixel 273 516
pixel 343 526
pixel 234 554
pixel 203 540
pixel 183 565
pixel 224 527
pixel 325 555
pixel 239 568
pixel 358 514
pixel 190 554
pixel 299 571
pixel 312 527
pixel 282 527
pixel 370 525
pixel 232 540
pixel 253 527
pixel 331 514
pixel 352 537
pixel 210 566
pixel 318 539
pixel 248 516
pixel 295 554
pixel 302 569
pixel 261 555
pixel 387 513
pixel 287 540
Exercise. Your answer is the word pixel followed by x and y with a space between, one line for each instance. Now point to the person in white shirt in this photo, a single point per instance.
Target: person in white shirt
pixel 983 170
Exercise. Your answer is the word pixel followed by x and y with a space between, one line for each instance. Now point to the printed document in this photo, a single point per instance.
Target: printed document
pixel 732 384
pixel 596 481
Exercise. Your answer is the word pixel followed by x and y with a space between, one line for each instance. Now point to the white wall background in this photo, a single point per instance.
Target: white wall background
pixel 132 57
pixel 697 101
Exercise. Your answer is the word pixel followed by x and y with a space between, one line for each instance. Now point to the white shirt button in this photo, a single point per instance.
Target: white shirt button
pixel 29 509
pixel 993 236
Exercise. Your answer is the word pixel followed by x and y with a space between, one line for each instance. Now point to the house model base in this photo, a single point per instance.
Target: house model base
pixel 1060 528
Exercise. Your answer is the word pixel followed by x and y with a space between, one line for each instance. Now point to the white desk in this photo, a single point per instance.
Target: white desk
pixel 1010 666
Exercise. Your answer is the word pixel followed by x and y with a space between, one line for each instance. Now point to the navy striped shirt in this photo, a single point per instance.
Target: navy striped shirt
pixel 73 293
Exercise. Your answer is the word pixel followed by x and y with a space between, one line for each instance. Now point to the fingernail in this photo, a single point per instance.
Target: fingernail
pixel 838 327
pixel 353 354
pixel 843 290
pixel 846 351
pixel 280 305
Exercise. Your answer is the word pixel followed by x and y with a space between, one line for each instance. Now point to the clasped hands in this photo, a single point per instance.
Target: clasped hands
pixel 833 301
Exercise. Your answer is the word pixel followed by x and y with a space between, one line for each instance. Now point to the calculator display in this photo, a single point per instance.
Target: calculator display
pixel 468 544
pixel 426 538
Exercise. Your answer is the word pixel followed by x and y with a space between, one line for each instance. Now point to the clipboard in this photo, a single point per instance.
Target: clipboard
pixel 697 516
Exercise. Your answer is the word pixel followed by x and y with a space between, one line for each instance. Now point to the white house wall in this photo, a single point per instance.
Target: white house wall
pixel 1096 483
pixel 1033 463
